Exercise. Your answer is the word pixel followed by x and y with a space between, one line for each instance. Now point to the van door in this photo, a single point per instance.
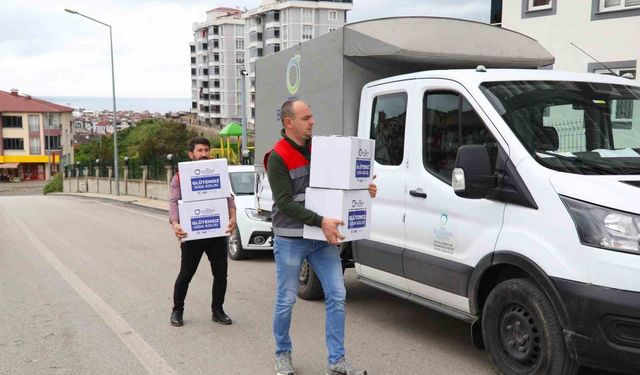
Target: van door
pixel 383 115
pixel 446 235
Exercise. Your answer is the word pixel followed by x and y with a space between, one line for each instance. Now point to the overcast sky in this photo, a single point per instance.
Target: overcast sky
pixel 45 51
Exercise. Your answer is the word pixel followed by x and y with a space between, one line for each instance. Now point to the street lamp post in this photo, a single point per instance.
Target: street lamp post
pixel 113 87
pixel 243 75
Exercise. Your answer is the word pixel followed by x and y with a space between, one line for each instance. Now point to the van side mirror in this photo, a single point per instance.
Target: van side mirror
pixel 472 177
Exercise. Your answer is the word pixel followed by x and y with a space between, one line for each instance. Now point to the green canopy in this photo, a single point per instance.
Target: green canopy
pixel 233 129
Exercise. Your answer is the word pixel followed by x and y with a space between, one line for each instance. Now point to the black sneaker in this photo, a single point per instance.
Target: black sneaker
pixel 176 318
pixel 219 316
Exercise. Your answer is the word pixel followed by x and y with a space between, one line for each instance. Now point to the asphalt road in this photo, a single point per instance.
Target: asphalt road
pixel 86 286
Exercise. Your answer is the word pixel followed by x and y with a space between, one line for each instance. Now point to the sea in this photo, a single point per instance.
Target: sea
pixel 96 103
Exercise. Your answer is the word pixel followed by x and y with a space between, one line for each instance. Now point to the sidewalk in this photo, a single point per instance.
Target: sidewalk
pixel 136 201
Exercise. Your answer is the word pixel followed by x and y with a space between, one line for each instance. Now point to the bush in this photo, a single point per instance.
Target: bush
pixel 54 185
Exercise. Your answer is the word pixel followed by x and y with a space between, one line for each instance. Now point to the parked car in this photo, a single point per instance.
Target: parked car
pixel 254 228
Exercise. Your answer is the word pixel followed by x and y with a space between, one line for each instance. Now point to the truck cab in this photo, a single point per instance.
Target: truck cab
pixel 547 207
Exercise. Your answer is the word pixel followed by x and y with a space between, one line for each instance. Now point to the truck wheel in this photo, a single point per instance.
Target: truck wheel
pixel 309 286
pixel 236 251
pixel 522 333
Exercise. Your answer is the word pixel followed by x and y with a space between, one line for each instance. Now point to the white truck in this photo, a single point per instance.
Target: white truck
pixel 506 197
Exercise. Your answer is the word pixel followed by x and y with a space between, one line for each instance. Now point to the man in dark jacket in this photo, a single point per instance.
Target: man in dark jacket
pixel 288 167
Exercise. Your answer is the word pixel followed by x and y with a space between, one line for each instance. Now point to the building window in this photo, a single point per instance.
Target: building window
pixel 307 32
pixel 276 47
pixel 276 15
pixel 216 57
pixel 216 83
pixel 240 44
pixel 539 5
pixel 13 144
pixel 307 16
pixel 240 57
pixel 34 123
pixel 193 60
pixel 52 142
pixel 194 105
pixel 621 109
pixel 215 30
pixel 538 8
pixel 193 71
pixel 54 122
pixel 239 30
pixel 11 121
pixel 333 15
pixel 613 5
pixel 193 49
pixel 34 146
pixel 216 43
pixel 205 46
pixel 216 70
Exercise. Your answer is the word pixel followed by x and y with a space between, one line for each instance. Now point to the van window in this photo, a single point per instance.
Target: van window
pixel 449 121
pixel 387 127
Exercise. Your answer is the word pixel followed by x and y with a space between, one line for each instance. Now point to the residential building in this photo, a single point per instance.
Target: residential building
pixel 35 136
pixel 605 29
pixel 217 57
pixel 281 24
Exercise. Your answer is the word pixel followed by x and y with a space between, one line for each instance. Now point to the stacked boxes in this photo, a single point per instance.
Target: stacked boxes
pixel 203 210
pixel 341 171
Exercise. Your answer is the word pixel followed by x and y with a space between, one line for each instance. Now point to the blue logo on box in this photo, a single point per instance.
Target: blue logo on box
pixel 205 223
pixel 205 183
pixel 357 219
pixel 363 168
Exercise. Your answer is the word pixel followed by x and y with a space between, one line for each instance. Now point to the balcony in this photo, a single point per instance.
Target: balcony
pixel 272 24
pixel 271 41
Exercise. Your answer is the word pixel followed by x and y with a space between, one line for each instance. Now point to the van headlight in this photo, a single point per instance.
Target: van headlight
pixel 252 213
pixel 604 227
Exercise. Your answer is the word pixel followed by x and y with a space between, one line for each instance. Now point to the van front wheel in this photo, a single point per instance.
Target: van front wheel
pixel 522 333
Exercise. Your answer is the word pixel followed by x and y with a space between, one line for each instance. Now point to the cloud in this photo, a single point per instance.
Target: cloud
pixel 48 52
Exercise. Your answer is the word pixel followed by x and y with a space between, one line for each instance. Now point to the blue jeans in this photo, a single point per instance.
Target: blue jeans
pixel 325 259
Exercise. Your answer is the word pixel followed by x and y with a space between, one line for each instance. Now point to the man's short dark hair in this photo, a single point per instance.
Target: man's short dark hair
pixel 287 110
pixel 198 141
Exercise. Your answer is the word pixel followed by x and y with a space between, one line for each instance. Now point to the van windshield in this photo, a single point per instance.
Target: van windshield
pixel 574 127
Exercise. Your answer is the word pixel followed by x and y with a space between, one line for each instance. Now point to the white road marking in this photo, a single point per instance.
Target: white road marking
pixel 148 357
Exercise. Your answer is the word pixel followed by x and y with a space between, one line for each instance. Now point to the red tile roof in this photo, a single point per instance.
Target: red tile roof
pixel 19 103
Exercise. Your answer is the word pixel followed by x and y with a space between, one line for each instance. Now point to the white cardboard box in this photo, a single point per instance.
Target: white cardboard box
pixel 339 162
pixel 204 219
pixel 351 206
pixel 204 179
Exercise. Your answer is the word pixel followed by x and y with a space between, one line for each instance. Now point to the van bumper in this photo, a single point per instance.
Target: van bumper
pixel 605 326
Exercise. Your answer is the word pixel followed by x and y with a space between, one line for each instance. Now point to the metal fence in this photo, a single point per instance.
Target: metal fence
pixel 571 134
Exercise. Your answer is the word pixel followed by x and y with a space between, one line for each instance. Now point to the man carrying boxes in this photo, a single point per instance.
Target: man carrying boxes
pixel 288 169
pixel 202 213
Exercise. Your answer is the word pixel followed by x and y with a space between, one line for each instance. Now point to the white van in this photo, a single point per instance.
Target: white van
pixel 537 241
pixel 506 197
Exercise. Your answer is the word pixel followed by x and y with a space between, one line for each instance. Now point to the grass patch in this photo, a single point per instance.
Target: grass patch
pixel 54 185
